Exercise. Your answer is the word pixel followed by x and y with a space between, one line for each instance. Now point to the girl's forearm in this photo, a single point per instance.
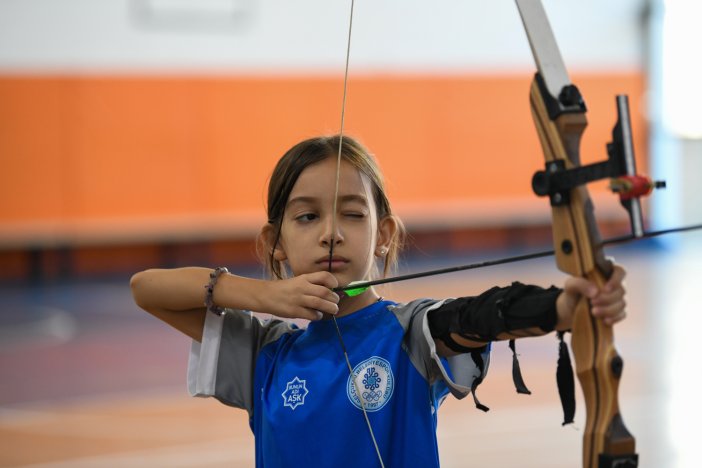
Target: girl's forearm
pixel 176 289
pixel 184 289
pixel 177 296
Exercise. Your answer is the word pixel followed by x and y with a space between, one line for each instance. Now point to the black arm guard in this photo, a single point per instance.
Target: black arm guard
pixel 498 310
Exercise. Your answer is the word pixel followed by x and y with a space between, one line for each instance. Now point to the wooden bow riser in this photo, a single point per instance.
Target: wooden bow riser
pixel 606 441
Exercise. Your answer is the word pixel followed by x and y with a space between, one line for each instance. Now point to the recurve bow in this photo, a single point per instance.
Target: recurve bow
pixel 559 115
pixel 558 111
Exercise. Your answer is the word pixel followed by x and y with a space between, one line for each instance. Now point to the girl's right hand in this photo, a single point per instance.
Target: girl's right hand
pixel 305 296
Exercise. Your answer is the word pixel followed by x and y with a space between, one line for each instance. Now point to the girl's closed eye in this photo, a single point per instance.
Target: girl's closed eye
pixel 355 214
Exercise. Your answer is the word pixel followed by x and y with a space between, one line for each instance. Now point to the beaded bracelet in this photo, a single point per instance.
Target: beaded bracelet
pixel 209 302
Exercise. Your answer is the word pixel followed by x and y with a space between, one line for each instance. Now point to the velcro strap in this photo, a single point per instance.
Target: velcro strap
pixel 517 372
pixel 477 356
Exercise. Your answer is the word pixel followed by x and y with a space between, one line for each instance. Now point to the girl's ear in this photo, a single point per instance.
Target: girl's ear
pixel 279 254
pixel 269 237
pixel 387 231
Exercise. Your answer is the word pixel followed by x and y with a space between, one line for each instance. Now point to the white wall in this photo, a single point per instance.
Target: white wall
pixel 248 36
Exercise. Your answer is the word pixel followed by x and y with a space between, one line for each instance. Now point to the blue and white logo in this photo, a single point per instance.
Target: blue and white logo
pixel 374 384
pixel 295 393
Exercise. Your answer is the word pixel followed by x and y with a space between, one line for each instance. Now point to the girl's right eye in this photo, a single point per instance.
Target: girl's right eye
pixel 306 217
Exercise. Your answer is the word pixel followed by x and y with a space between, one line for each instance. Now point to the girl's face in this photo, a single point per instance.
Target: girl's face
pixel 306 230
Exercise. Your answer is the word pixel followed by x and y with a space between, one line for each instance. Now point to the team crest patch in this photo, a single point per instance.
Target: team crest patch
pixel 295 393
pixel 374 381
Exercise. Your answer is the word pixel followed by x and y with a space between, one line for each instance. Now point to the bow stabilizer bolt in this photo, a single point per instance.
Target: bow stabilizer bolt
pixel 634 186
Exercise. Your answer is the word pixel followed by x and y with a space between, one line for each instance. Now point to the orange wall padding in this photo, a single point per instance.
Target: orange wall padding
pixel 133 148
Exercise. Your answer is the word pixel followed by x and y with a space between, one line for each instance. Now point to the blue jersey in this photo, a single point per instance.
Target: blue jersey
pixel 304 408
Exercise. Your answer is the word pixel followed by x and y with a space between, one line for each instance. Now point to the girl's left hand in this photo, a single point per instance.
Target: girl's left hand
pixel 608 304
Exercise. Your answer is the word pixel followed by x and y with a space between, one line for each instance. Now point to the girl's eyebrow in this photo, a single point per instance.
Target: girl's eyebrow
pixel 342 199
pixel 353 198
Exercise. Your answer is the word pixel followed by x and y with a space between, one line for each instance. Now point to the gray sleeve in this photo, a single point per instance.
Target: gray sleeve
pixel 461 371
pixel 223 364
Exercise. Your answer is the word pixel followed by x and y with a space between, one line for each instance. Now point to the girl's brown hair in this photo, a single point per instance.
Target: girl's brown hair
pixel 289 168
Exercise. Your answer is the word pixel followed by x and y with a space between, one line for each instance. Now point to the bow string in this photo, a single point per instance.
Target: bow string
pixel 332 239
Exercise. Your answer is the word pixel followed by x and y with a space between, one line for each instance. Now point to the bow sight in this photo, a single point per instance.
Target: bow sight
pixel 557 180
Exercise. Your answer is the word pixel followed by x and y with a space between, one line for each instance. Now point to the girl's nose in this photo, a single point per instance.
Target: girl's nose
pixel 331 232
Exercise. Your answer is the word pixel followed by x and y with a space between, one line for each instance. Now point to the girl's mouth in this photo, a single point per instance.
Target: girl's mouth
pixel 336 262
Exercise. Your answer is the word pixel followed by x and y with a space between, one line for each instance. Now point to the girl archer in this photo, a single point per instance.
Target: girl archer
pixel 306 406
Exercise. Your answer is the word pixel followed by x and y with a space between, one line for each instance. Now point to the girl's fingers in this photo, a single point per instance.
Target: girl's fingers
pixel 306 296
pixel 324 293
pixel 321 305
pixel 322 278
pixel 611 320
pixel 580 286
pixel 308 314
pixel 613 287
pixel 610 310
pixel 604 298
pixel 320 286
pixel 608 303
pixel 615 281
